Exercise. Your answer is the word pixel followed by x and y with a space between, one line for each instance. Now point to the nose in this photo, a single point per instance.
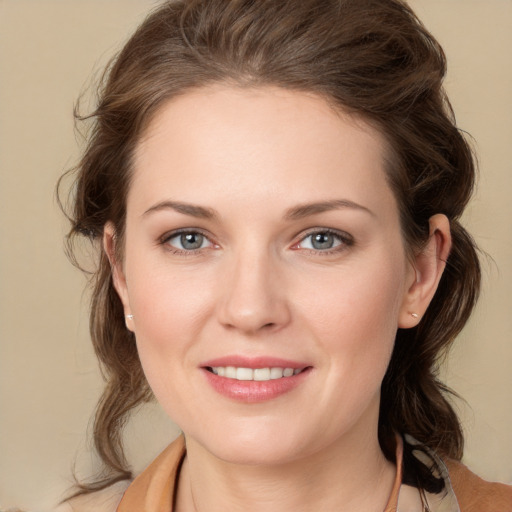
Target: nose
pixel 253 295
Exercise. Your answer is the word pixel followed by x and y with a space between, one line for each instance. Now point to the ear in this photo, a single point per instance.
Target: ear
pixel 425 272
pixel 118 277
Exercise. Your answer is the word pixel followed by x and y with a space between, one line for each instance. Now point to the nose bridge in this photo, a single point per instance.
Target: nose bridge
pixel 253 297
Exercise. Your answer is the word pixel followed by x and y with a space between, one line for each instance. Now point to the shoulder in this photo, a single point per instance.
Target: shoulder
pixel 475 494
pixel 105 500
pixel 463 490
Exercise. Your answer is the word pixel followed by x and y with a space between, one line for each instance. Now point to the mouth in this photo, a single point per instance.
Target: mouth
pixel 255 381
pixel 254 374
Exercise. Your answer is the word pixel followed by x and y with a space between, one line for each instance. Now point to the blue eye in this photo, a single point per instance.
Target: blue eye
pixel 324 240
pixel 188 241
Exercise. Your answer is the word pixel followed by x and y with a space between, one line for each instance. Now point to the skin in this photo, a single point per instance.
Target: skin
pixel 258 287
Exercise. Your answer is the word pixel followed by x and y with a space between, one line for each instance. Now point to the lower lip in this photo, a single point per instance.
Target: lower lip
pixel 253 391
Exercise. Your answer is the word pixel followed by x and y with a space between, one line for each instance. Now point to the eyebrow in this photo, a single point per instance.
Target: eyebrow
pixel 305 210
pixel 185 208
pixel 295 213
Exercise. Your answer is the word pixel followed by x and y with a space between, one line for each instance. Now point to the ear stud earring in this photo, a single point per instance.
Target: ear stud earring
pixel 414 315
pixel 129 317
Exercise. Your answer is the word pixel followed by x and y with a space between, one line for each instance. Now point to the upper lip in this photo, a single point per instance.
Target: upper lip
pixel 253 362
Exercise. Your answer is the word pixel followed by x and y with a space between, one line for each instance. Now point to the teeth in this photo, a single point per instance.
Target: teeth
pixel 276 373
pixel 262 374
pixel 258 374
pixel 230 372
pixel 244 374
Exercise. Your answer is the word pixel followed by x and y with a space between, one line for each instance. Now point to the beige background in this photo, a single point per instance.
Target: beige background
pixel 48 377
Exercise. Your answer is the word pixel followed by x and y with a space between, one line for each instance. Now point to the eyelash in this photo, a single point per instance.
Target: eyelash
pixel 345 240
pixel 164 240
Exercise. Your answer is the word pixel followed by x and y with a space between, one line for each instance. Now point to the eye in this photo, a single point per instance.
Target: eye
pixel 187 241
pixel 324 240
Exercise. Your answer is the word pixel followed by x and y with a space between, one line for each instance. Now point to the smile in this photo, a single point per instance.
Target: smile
pixel 255 380
pixel 255 374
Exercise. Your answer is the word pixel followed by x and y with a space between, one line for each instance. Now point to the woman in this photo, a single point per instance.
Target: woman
pixel 275 189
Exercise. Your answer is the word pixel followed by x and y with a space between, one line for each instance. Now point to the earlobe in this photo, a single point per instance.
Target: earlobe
pixel 428 267
pixel 118 276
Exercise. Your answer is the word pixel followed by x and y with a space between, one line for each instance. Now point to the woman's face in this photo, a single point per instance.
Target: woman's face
pixel 263 240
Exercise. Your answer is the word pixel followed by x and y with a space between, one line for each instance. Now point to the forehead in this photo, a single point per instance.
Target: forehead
pixel 228 142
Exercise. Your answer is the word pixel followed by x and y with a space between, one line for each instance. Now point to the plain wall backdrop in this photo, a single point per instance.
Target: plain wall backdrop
pixel 49 381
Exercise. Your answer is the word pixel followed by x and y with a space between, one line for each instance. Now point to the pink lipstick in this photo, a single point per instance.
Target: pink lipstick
pixel 253 380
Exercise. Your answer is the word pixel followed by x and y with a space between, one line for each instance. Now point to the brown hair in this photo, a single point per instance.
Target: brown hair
pixel 373 58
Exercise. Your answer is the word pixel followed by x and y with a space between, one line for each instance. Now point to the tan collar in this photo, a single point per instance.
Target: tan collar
pixel 155 488
pixel 393 498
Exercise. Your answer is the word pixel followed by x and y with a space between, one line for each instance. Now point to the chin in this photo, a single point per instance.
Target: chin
pixel 255 453
pixel 257 443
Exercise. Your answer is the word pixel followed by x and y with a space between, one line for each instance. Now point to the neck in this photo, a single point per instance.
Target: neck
pixel 350 475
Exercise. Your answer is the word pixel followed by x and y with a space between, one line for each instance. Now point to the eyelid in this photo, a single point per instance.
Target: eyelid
pixel 346 239
pixel 176 232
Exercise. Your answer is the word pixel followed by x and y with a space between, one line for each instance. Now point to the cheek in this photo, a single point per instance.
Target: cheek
pixel 360 298
pixel 354 316
pixel 169 306
pixel 168 310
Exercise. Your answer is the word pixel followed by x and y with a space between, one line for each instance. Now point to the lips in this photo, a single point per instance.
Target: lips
pixel 259 374
pixel 254 379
